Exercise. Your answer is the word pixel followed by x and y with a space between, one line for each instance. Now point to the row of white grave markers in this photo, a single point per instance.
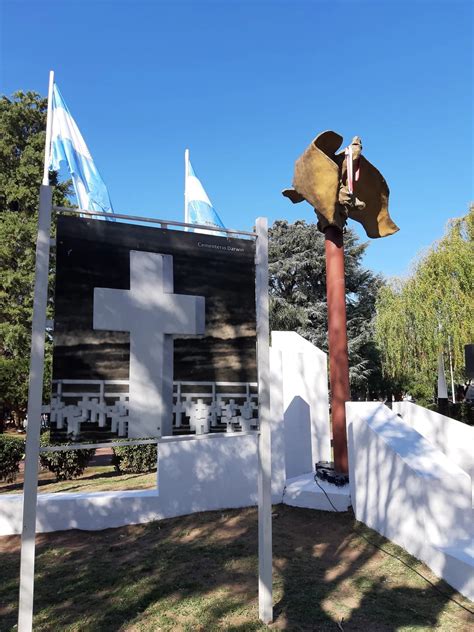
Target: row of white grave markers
pixel 202 416
pixel 89 409
pixel 68 410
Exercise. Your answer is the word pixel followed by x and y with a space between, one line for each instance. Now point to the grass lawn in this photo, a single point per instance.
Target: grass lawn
pixel 199 573
pixel 94 479
pixel 99 476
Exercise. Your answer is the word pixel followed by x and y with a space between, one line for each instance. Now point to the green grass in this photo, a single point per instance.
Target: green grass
pixel 199 573
pixel 94 479
pixel 21 436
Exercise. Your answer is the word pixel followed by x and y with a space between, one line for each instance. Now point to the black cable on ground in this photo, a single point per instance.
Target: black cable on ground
pixel 324 492
pixel 414 570
pixel 377 546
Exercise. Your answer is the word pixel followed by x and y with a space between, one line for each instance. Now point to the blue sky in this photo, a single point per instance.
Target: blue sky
pixel 246 85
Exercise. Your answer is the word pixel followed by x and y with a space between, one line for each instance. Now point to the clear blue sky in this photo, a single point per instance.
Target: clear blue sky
pixel 246 85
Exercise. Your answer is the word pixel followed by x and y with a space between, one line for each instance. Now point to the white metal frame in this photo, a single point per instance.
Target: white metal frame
pixel 186 170
pixel 164 223
pixel 49 129
pixel 117 444
pixel 33 449
pixel 265 594
pixel 35 395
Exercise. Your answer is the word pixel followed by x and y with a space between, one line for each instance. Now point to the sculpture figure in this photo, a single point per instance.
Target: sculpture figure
pixel 339 186
pixel 342 185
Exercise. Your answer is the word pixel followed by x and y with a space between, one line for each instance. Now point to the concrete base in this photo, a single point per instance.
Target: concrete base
pixel 302 491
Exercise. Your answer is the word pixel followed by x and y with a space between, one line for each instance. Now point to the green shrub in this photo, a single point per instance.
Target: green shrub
pixel 66 464
pixel 135 459
pixel 11 453
pixel 423 394
pixel 462 411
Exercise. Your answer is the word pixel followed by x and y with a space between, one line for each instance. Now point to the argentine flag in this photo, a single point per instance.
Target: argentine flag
pixel 199 209
pixel 68 145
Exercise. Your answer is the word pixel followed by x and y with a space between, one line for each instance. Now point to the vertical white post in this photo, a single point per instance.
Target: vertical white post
pixel 451 370
pixel 35 395
pixel 49 121
pixel 265 595
pixel 186 170
pixel 166 423
pixel 442 388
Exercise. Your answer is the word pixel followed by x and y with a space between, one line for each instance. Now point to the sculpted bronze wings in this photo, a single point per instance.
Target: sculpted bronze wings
pixel 319 175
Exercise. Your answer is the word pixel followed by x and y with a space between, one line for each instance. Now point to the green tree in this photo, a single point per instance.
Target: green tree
pixel 421 315
pixel 22 139
pixel 298 297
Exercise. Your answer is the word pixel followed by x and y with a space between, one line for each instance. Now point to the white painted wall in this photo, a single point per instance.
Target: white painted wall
pixel 409 491
pixel 195 474
pixel 453 438
pixel 207 472
pixel 301 401
pixel 277 425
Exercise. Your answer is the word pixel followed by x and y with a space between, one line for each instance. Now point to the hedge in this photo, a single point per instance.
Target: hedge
pixel 65 464
pixel 12 451
pixel 135 459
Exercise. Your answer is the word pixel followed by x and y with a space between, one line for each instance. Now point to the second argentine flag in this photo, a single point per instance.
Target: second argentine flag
pixel 67 144
pixel 199 209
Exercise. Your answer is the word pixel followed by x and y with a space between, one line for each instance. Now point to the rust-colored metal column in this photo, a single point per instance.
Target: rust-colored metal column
pixel 338 355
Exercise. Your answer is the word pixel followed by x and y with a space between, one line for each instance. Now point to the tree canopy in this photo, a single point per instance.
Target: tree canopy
pixel 22 139
pixel 429 311
pixel 298 297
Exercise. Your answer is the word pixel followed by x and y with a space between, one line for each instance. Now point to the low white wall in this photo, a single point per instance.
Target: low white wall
pixel 206 472
pixel 195 474
pixel 453 438
pixel 299 402
pixel 408 490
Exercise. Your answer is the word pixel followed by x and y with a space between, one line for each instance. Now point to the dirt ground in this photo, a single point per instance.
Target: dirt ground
pixel 199 572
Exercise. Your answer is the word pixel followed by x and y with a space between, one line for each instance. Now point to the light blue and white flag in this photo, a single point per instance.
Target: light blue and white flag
pixel 199 209
pixel 67 144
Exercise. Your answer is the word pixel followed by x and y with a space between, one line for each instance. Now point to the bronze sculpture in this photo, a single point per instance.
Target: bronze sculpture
pixel 342 185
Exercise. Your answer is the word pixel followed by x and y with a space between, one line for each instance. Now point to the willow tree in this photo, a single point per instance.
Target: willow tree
pixel 430 311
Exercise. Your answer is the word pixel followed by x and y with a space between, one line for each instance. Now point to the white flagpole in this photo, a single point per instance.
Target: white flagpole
pixel 451 370
pixel 49 121
pixel 186 170
pixel 264 485
pixel 442 388
pixel 33 431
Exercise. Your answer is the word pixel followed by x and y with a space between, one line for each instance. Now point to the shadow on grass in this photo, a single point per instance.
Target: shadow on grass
pixel 18 487
pixel 199 572
pixel 96 477
pixel 334 579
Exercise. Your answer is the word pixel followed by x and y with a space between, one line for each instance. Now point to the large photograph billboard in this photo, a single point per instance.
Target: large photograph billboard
pixel 154 332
